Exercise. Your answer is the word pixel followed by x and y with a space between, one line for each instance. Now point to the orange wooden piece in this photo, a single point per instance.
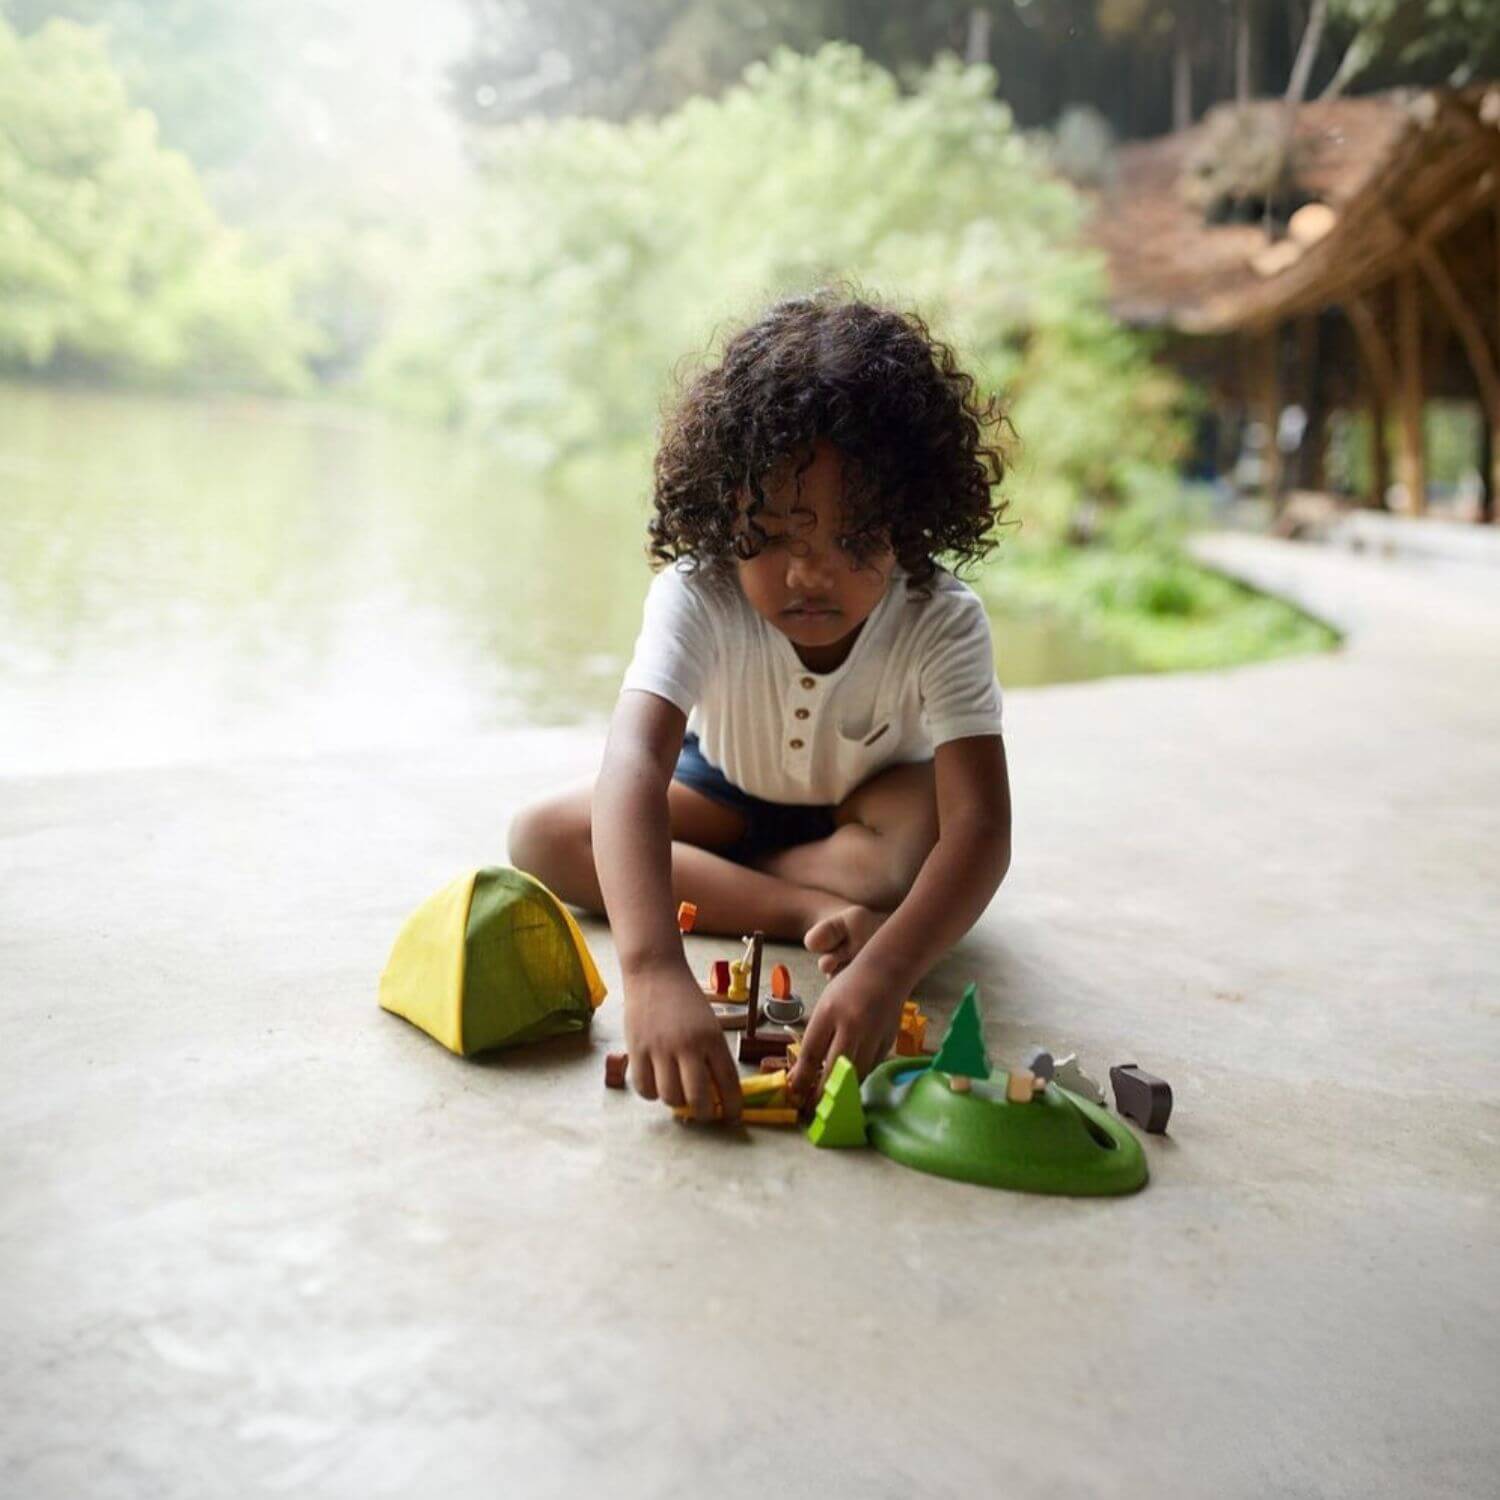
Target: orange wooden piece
pixel 615 1064
pixel 781 982
pixel 687 914
pixel 913 1033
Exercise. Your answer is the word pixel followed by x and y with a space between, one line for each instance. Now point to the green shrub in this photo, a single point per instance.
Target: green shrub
pixel 113 263
pixel 1154 604
pixel 605 253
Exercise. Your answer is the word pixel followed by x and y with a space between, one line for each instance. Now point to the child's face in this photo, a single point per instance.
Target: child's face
pixel 802 580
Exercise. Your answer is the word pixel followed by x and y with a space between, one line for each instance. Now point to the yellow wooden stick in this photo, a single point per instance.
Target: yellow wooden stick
pixel 748 1116
pixel 763 1085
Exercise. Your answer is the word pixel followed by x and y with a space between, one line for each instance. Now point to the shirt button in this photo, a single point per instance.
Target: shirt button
pixel 809 682
pixel 801 713
pixel 795 744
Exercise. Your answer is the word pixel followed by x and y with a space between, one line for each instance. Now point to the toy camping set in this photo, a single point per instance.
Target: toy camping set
pixel 495 960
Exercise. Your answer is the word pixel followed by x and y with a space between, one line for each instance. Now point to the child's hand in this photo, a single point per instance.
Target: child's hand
pixel 857 1016
pixel 677 1048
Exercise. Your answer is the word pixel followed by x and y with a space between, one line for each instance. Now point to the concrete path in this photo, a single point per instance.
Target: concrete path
pixel 259 1238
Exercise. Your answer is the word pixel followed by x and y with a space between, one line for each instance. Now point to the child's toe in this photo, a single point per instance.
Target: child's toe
pixel 824 936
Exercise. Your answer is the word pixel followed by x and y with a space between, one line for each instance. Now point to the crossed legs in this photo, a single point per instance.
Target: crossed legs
pixel 830 894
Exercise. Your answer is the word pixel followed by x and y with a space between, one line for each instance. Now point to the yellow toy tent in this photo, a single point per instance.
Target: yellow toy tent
pixel 492 960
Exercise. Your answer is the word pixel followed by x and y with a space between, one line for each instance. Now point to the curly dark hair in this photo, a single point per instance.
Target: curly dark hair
pixel 922 447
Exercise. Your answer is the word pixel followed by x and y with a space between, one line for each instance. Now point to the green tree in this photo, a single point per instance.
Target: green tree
pixel 1147 65
pixel 606 253
pixel 1390 41
pixel 199 66
pixel 618 58
pixel 113 262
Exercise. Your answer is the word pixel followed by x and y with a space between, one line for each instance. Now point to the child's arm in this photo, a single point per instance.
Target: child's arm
pixel 677 1050
pixel 859 1013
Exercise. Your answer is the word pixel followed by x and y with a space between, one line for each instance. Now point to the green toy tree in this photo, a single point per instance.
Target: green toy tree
pixel 840 1117
pixel 962 1050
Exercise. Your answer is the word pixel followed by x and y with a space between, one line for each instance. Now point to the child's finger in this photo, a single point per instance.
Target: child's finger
pixel 809 1068
pixel 698 1087
pixel 818 1080
pixel 643 1074
pixel 873 1049
pixel 842 1045
pixel 726 1080
pixel 668 1082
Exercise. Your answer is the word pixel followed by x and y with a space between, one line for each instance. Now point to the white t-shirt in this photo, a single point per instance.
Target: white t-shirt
pixel 921 672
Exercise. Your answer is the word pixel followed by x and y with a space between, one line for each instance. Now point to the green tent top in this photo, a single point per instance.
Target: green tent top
pixel 493 959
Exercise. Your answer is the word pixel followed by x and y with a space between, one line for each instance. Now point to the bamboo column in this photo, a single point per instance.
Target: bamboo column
pixel 1310 460
pixel 1489 433
pixel 1411 456
pixel 1266 403
pixel 1489 505
pixel 1379 380
pixel 1487 464
pixel 1380 463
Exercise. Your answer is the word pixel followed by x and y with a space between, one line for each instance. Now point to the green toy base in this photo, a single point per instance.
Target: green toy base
pixel 1057 1143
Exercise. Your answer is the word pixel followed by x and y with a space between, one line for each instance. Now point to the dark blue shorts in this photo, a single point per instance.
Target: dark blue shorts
pixel 768 825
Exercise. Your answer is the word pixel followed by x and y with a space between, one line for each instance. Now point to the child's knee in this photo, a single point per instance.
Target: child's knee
pixel 546 834
pixel 873 869
pixel 903 856
pixel 884 889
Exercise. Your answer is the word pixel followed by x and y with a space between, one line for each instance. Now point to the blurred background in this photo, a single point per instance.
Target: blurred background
pixel 333 334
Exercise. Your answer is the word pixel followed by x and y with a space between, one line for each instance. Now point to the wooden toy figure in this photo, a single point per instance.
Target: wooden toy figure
pixel 1021 1086
pixel 913 1034
pixel 756 1044
pixel 1072 1077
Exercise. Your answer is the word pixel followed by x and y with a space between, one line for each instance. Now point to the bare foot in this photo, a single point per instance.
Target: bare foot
pixel 838 936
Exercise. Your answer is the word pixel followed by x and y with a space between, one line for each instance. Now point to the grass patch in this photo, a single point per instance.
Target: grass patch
pixel 1164 610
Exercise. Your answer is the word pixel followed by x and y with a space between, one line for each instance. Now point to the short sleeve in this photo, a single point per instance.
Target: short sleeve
pixel 676 650
pixel 960 694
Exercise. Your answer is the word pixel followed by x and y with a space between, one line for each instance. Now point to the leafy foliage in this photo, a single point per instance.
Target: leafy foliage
pixel 1080 147
pixel 195 64
pixel 112 260
pixel 608 252
pixel 1456 39
pixel 1138 592
pixel 618 58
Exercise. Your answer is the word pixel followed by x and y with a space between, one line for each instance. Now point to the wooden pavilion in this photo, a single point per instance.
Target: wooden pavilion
pixel 1382 290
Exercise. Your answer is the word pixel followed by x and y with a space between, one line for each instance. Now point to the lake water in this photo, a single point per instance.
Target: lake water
pixel 185 580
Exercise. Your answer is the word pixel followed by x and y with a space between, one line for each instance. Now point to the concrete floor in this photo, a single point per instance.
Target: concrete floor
pixel 258 1237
